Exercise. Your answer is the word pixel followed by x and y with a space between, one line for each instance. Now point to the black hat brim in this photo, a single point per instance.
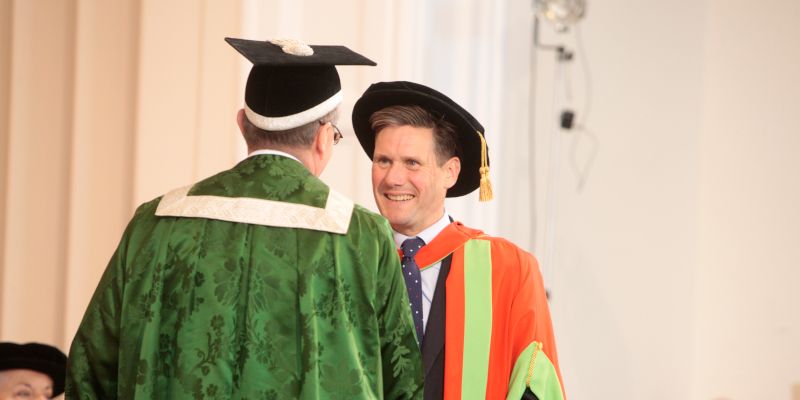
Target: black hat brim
pixel 386 94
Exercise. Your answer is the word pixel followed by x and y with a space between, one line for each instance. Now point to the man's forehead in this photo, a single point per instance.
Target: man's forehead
pixel 21 374
pixel 405 144
pixel 405 134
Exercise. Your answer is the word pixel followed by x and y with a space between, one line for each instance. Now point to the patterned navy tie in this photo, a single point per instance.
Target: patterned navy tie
pixel 413 280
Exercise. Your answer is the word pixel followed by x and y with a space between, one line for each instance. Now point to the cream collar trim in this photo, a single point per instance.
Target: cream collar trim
pixel 334 218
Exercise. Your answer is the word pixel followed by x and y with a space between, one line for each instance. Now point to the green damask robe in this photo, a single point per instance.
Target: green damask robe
pixel 256 283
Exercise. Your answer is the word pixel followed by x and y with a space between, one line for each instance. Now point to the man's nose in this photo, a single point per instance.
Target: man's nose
pixel 395 175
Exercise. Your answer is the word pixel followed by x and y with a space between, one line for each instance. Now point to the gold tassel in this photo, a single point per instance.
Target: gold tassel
pixel 486 185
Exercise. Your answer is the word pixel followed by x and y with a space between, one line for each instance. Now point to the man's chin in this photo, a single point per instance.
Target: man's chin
pixel 396 218
pixel 400 227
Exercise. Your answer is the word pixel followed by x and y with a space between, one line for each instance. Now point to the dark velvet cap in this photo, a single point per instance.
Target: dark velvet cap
pixel 37 357
pixel 292 84
pixel 385 94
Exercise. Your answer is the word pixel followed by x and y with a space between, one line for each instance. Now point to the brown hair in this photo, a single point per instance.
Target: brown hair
pixel 445 140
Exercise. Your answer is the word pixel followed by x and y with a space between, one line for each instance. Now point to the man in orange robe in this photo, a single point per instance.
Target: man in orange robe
pixel 478 302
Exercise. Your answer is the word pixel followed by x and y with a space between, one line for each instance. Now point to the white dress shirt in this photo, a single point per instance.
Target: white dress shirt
pixel 431 274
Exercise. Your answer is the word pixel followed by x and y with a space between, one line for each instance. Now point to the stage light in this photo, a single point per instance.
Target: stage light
pixel 560 13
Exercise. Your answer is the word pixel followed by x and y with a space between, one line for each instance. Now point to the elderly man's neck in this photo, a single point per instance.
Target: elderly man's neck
pixel 303 155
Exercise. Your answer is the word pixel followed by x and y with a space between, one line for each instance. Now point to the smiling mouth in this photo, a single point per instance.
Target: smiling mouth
pixel 398 197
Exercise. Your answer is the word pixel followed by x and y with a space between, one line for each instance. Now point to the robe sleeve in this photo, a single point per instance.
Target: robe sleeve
pixel 92 367
pixel 401 364
pixel 536 369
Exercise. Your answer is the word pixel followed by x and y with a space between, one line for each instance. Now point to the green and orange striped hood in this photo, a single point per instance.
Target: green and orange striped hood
pixel 499 338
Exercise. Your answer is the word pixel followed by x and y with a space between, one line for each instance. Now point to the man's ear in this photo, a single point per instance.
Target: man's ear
pixel 322 141
pixel 452 168
pixel 321 149
pixel 240 119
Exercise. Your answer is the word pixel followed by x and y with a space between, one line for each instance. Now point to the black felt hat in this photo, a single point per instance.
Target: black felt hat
pixel 474 152
pixel 292 84
pixel 37 357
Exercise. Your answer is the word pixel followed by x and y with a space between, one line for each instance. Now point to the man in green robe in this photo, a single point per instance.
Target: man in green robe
pixel 259 282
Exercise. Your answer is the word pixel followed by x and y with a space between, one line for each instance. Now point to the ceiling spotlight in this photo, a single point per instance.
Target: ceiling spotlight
pixel 560 13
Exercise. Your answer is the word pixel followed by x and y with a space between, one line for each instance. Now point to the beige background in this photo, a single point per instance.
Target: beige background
pixel 673 268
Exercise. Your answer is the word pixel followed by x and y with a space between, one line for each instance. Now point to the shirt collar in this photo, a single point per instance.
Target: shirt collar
pixel 428 233
pixel 273 152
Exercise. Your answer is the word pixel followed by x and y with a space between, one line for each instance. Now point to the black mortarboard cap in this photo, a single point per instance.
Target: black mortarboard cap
pixel 292 84
pixel 470 133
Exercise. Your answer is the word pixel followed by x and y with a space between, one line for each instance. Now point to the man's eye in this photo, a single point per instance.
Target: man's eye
pixel 382 162
pixel 412 163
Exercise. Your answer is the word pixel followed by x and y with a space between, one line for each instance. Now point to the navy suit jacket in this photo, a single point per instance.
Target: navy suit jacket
pixel 433 341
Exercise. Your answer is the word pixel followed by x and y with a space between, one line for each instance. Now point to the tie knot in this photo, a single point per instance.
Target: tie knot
pixel 411 246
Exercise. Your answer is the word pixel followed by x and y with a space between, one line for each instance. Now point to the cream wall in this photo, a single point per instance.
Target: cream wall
pixel 5 80
pixel 747 302
pixel 674 270
pixel 106 105
pixel 188 94
pixel 623 257
pixel 37 168
pixel 98 201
